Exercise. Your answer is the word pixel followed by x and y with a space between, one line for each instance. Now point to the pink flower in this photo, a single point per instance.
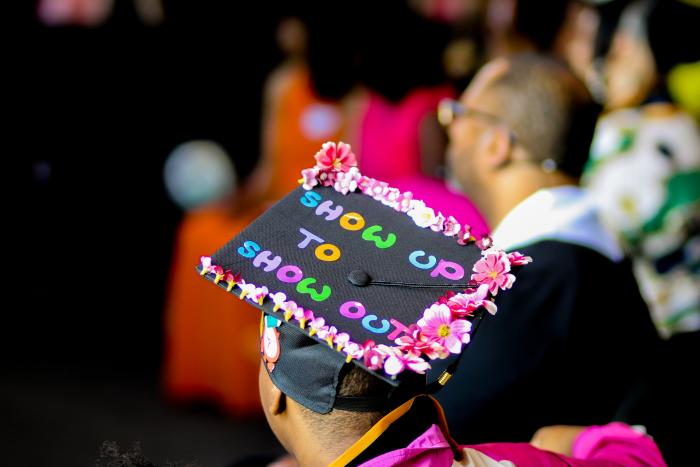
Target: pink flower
pixel 438 223
pixel 449 294
pixel 353 350
pixel 404 201
pixel 290 308
pixel 327 178
pixel 278 299
pixel 231 279
pixel 484 243
pixel 390 197
pixel 373 357
pixel 490 306
pixel 436 324
pixel 309 178
pixel 417 345
pixel 451 227
pixel 464 235
pixel 397 361
pixel 493 269
pixel 258 294
pixel 206 264
pixel 317 325
pixel 328 334
pixel 246 289
pixel 517 259
pixel 347 181
pixel 219 272
pixel 341 340
pixel 364 183
pixel 464 304
pixel 338 158
pixel 376 189
pixel 423 216
pixel 302 316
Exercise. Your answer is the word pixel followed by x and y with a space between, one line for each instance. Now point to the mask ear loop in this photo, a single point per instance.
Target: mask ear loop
pixel 446 375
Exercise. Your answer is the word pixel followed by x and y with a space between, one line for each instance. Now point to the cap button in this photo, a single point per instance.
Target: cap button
pixel 359 278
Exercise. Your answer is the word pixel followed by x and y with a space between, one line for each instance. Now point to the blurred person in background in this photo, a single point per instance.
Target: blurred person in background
pixel 644 174
pixel 464 52
pixel 516 26
pixel 561 353
pixel 94 13
pixel 303 107
pixel 306 97
pixel 647 140
pixel 204 361
pixel 399 139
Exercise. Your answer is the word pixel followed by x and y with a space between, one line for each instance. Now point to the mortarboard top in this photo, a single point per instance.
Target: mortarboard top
pixel 348 269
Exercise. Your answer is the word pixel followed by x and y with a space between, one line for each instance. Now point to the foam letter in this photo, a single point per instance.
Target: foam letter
pixel 325 208
pixel 443 267
pixel 413 258
pixel 370 234
pixel 248 249
pixel 303 287
pixel 310 199
pixel 352 221
pixel 369 318
pixel 264 258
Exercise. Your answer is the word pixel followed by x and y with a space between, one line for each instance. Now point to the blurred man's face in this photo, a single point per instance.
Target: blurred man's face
pixel 467 133
pixel 630 72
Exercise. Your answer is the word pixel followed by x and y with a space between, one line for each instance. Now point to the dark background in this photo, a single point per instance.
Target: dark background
pixel 92 115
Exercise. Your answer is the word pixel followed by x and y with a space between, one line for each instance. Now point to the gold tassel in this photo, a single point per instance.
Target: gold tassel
pixel 444 378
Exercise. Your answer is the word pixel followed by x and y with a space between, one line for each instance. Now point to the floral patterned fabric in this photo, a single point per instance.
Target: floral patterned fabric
pixel 644 175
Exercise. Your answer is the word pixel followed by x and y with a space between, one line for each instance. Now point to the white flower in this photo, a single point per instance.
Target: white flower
pixel 422 216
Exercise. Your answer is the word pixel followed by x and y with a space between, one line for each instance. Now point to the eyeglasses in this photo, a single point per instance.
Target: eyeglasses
pixel 449 110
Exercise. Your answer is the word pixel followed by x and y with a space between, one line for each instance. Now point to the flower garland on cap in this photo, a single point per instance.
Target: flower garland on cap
pixel 443 329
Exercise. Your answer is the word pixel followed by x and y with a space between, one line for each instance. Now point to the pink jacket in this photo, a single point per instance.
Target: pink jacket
pixel 614 444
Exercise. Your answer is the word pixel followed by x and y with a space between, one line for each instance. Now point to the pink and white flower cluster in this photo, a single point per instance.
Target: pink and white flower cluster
pixel 376 357
pixel 440 332
pixel 443 329
pixel 493 269
pixel 227 276
pixel 334 164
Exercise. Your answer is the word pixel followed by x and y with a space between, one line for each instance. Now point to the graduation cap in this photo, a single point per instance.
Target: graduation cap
pixel 348 270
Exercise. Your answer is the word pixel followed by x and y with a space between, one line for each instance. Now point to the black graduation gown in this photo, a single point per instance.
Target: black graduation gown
pixel 566 345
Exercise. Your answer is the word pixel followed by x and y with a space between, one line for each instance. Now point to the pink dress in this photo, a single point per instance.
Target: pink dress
pixel 390 151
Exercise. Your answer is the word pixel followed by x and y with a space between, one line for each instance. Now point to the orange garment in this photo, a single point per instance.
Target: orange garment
pixel 299 123
pixel 211 339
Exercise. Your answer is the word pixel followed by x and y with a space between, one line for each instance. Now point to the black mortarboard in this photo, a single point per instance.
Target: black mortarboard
pixel 348 269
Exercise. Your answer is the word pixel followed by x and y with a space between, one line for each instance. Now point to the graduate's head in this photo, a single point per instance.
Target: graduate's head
pixel 524 119
pixel 313 399
pixel 361 288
